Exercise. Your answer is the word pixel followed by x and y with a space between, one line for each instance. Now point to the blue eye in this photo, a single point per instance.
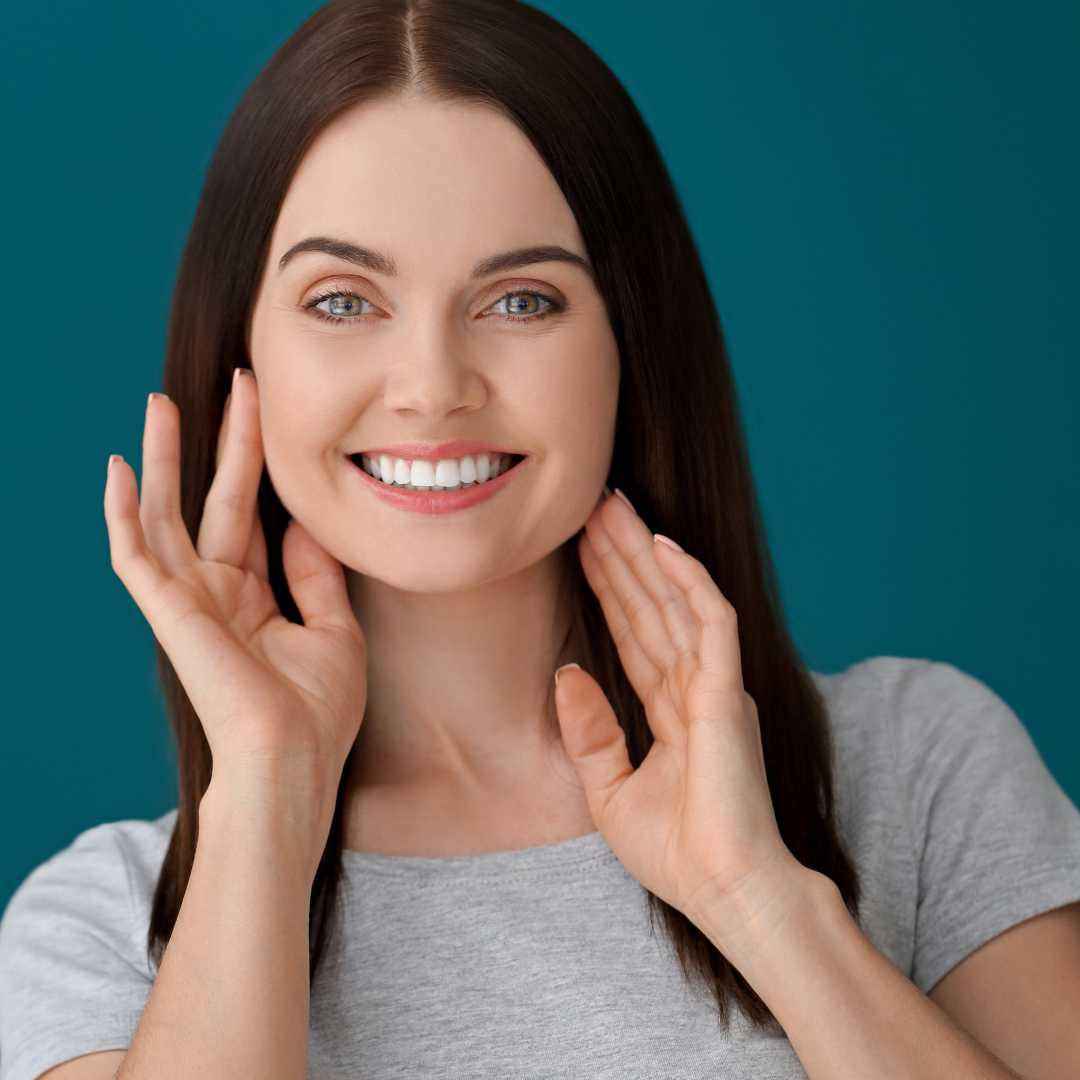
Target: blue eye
pixel 553 305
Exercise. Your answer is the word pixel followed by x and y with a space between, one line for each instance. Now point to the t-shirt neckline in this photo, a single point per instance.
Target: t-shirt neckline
pixel 541 857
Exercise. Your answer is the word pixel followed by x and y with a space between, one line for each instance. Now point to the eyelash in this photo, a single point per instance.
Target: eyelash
pixel 554 308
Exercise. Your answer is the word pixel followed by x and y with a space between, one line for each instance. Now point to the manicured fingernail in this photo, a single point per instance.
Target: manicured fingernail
pixel 625 500
pixel 665 540
pixel 563 668
pixel 153 394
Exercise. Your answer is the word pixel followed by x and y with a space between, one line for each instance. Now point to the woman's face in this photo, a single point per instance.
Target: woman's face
pixel 431 353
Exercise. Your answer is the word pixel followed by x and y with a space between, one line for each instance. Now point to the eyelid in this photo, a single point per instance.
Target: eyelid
pixel 521 284
pixel 363 289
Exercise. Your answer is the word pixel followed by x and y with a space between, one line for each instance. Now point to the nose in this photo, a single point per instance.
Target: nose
pixel 439 381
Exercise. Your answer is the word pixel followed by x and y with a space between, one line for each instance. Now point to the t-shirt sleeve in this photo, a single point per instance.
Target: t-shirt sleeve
pixel 995 839
pixel 74 975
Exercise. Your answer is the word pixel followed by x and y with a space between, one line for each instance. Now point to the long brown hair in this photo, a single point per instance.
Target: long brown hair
pixel 679 452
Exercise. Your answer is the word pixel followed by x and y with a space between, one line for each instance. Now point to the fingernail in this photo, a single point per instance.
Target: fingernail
pixel 625 500
pixel 154 394
pixel 666 540
pixel 563 668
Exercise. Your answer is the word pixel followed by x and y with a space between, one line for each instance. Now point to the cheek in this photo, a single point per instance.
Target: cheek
pixel 299 411
pixel 584 378
pixel 296 434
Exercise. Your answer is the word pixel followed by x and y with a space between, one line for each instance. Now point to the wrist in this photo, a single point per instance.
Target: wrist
pixel 251 816
pixel 752 920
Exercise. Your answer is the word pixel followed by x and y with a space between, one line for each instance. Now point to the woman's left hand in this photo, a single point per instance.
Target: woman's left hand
pixel 695 819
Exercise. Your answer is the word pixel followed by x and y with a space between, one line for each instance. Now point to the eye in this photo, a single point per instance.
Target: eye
pixel 553 307
pixel 312 305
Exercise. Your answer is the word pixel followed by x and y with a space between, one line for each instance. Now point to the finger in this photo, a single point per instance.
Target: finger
pixel 593 739
pixel 256 552
pixel 645 678
pixel 255 559
pixel 159 501
pixel 129 554
pixel 718 650
pixel 227 520
pixel 223 432
pixel 640 670
pixel 658 613
pixel 316 581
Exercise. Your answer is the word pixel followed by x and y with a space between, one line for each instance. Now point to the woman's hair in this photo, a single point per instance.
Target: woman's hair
pixel 679 452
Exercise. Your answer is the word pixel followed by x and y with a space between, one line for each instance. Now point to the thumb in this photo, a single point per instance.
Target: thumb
pixel 316 580
pixel 593 739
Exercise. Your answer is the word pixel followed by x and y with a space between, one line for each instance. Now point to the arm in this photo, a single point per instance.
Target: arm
pixel 232 995
pixel 848 1012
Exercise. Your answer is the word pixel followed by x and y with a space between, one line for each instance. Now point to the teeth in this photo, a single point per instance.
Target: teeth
pixel 445 475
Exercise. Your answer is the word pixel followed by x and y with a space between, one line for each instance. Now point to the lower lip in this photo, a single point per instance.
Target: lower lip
pixel 445 502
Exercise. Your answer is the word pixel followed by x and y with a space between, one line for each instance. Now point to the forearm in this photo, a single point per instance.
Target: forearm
pixel 847 1011
pixel 231 997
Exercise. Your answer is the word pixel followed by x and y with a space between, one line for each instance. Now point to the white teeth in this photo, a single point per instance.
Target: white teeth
pixel 445 475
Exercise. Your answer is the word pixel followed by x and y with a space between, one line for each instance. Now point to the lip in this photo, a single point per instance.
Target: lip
pixel 428 451
pixel 441 503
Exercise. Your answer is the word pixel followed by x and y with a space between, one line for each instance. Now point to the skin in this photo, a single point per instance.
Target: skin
pixel 459 610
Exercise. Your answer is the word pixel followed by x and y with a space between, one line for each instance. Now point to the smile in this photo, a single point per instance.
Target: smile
pixel 447 474
pixel 438 487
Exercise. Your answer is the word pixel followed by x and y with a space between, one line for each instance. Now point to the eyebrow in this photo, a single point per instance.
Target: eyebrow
pixel 381 263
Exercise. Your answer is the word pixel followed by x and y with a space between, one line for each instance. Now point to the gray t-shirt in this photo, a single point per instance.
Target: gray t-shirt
pixel 540 962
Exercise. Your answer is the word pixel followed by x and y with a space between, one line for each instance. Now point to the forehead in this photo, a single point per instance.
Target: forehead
pixel 418 178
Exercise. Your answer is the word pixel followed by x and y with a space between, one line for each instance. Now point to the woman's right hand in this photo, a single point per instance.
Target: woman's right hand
pixel 280 703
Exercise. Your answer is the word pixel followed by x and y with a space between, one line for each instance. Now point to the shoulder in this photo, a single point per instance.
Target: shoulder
pixel 875 680
pixel 103 879
pixel 919 736
pixel 869 702
pixel 74 967
pixel 911 704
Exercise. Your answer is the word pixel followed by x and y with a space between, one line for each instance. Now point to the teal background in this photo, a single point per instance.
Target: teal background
pixel 884 195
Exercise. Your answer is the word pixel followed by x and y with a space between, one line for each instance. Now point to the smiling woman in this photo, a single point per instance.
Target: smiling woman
pixel 470 304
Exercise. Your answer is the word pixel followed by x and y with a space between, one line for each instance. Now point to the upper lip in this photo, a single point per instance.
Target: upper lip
pixel 436 451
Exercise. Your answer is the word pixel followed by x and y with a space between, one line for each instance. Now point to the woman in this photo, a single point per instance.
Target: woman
pixel 440 245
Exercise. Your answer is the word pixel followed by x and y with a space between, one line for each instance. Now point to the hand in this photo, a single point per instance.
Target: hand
pixel 695 819
pixel 279 702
